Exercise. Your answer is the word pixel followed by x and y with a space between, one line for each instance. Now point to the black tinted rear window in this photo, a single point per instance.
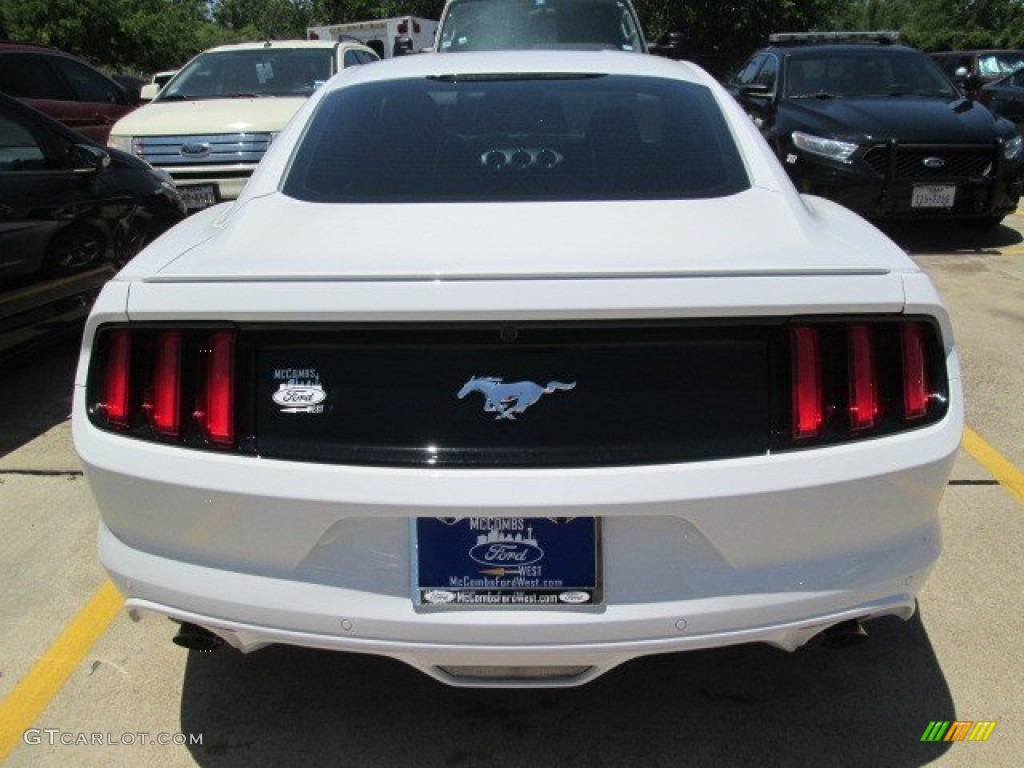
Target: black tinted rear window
pixel 517 139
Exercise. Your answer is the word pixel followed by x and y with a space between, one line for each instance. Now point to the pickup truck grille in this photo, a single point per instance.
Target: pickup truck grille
pixel 213 149
pixel 931 162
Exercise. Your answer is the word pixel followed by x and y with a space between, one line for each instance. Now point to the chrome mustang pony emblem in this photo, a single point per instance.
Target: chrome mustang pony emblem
pixel 509 399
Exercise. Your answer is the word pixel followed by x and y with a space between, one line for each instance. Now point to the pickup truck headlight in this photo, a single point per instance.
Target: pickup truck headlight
pixel 126 144
pixel 833 149
pixel 1012 148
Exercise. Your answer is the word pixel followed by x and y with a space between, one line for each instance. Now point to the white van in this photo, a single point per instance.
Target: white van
pixel 211 124
pixel 388 37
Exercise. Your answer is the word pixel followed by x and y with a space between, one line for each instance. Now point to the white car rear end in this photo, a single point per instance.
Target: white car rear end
pixel 525 438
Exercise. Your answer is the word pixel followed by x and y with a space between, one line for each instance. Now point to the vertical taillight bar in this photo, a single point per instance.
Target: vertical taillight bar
pixel 915 375
pixel 864 404
pixel 219 416
pixel 117 380
pixel 807 388
pixel 165 408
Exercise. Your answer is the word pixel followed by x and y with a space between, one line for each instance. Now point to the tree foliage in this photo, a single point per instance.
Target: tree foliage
pixel 148 35
pixel 935 25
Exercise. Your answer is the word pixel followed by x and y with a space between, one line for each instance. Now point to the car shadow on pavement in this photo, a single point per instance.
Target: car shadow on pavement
pixel 951 238
pixel 36 389
pixel 866 705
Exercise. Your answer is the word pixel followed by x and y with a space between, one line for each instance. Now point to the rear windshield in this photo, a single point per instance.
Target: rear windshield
pixel 251 74
pixel 516 138
pixel 503 25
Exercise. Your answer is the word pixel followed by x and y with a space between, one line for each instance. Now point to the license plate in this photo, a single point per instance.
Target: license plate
pixel 933 196
pixel 197 196
pixel 506 562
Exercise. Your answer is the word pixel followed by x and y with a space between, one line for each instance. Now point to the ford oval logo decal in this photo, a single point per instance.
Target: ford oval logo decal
pixel 195 149
pixel 506 553
pixel 934 163
pixel 299 395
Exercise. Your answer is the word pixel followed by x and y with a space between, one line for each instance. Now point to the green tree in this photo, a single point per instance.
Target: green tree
pixel 120 35
pixel 942 24
pixel 723 35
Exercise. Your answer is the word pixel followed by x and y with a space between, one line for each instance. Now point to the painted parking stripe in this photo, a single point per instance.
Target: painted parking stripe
pixel 1011 478
pixel 36 689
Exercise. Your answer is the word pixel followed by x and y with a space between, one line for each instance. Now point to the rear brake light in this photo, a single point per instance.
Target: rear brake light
pixel 807 401
pixel 915 374
pixel 217 415
pixel 849 380
pixel 165 407
pixel 863 380
pixel 117 380
pixel 174 385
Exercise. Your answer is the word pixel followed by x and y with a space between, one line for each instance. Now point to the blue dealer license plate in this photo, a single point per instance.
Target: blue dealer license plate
pixel 508 561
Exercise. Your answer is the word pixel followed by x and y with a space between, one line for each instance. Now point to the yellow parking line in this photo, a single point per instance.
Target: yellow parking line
pixel 36 689
pixel 1011 478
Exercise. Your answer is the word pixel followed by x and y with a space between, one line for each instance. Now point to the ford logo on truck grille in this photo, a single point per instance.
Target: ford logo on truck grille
pixel 934 163
pixel 195 149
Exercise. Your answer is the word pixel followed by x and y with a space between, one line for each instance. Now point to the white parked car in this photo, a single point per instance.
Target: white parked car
pixel 514 367
pixel 211 123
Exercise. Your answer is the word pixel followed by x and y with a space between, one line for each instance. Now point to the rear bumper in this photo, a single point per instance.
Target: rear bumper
pixel 495 648
pixel 769 549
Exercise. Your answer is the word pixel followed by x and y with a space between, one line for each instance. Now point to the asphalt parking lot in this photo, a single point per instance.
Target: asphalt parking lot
pixel 81 685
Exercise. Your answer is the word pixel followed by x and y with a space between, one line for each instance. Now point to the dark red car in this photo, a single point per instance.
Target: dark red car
pixel 64 87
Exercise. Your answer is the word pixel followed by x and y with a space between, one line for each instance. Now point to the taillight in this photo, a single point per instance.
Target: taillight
pixel 165 405
pixel 915 374
pixel 807 402
pixel 115 404
pixel 850 380
pixel 863 407
pixel 216 414
pixel 171 385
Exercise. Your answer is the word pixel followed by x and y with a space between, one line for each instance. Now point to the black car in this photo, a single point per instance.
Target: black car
pixel 1006 97
pixel 879 128
pixel 71 212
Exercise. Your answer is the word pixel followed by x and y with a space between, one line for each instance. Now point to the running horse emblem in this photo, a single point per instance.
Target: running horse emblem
pixel 509 399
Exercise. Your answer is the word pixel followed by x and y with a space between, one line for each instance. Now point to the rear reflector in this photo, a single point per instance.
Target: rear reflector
pixel 117 380
pixel 165 407
pixel 863 380
pixel 807 400
pixel 915 375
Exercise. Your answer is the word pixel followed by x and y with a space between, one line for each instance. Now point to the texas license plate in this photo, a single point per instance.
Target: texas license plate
pixel 933 196
pixel 197 196
pixel 507 561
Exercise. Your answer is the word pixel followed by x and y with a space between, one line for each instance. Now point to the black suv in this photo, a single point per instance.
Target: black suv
pixel 879 128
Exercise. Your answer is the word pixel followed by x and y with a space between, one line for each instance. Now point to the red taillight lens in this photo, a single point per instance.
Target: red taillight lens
pixel 915 374
pixel 864 404
pixel 217 416
pixel 403 28
pixel 165 407
pixel 117 380
pixel 807 391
